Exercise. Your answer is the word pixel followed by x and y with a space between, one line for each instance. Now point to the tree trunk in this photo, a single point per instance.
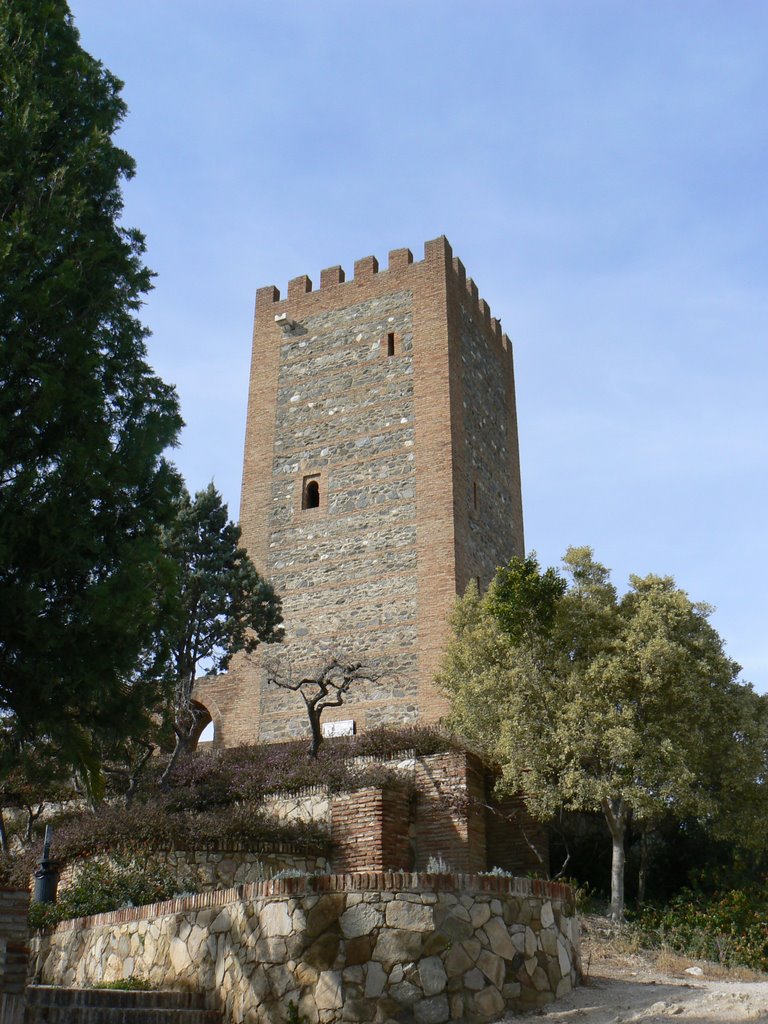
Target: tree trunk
pixel 133 776
pixel 3 834
pixel 184 743
pixel 188 726
pixel 642 875
pixel 615 812
pixel 317 732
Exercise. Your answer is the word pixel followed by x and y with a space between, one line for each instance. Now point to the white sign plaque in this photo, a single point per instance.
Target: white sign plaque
pixel 338 728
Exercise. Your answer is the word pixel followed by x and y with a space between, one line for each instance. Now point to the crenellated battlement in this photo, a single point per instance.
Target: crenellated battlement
pixel 400 263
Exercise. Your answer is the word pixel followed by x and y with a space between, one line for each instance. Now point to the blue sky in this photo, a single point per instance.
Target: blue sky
pixel 598 165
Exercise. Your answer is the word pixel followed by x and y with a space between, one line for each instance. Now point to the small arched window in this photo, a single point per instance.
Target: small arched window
pixel 311 493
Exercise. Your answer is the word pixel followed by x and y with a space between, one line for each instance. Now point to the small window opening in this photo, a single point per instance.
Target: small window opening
pixel 477 581
pixel 311 494
pixel 474 493
pixel 390 344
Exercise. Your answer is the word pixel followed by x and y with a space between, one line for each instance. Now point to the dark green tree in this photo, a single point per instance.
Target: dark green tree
pixel 84 488
pixel 222 606
pixel 524 599
pixel 624 705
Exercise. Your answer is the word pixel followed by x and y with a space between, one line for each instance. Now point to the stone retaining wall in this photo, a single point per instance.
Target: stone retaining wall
pixel 352 948
pixel 221 869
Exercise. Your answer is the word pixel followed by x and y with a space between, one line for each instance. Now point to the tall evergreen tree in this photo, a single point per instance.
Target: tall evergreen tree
pixel 84 488
pixel 220 607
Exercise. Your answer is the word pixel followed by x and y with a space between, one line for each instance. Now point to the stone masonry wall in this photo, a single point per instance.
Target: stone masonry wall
pixel 352 948
pixel 415 454
pixel 209 870
pixel 488 490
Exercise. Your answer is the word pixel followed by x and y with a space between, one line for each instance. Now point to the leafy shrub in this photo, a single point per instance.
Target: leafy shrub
pixel 215 797
pixel 250 773
pixel 389 741
pixel 154 825
pixel 730 928
pixel 102 886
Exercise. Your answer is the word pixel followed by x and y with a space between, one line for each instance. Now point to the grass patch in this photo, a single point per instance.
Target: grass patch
pixel 126 985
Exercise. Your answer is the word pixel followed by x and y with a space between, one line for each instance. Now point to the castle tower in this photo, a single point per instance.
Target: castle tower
pixel 381 475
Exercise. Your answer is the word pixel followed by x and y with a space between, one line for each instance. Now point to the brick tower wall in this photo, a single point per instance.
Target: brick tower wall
pixel 415 455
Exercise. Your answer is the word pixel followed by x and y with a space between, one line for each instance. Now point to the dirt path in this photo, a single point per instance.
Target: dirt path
pixel 625 987
pixel 607 1000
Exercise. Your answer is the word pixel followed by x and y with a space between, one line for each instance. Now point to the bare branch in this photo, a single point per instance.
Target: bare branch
pixel 324 685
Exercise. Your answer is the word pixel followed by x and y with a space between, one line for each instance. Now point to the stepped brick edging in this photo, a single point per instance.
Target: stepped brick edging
pixel 14 950
pixel 48 1004
pixel 364 881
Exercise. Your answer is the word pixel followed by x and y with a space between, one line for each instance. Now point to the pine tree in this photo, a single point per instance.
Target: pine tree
pixel 220 606
pixel 84 488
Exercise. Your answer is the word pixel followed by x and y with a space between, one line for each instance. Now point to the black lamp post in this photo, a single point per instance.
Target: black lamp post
pixel 46 874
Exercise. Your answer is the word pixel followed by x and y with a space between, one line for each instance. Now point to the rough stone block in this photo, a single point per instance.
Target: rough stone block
pixel 397 946
pixel 322 953
pixel 360 920
pixel 358 950
pixel 432 975
pixel 274 919
pixel 479 913
pixel 492 967
pixel 457 961
pixel 563 959
pixel 358 1008
pixel 498 937
pixel 474 980
pixel 434 1010
pixel 179 955
pixel 435 943
pixel 329 992
pixel 405 993
pixel 375 981
pixel 548 941
pixel 489 1003
pixel 540 980
pixel 412 916
pixel 564 986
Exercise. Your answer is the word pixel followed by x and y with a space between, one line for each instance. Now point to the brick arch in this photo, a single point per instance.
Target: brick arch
pixel 207 710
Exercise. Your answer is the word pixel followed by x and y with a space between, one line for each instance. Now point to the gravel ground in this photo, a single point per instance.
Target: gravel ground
pixel 623 985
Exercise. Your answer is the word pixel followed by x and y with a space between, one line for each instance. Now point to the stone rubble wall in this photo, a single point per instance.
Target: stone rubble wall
pixel 351 948
pixel 307 805
pixel 210 870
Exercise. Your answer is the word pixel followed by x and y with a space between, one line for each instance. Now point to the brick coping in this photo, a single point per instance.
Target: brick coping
pixel 363 881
